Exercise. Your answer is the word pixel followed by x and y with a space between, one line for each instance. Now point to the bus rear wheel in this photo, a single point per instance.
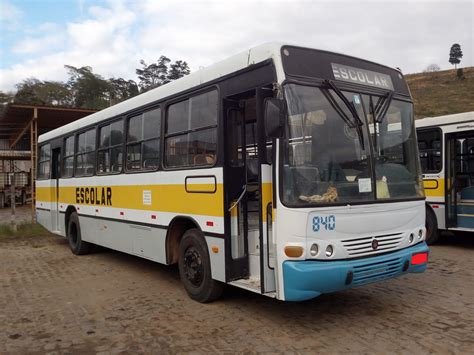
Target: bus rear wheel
pixel 432 233
pixel 77 245
pixel 195 268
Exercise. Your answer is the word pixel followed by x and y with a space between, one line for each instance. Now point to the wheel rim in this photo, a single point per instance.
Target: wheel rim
pixel 73 234
pixel 193 268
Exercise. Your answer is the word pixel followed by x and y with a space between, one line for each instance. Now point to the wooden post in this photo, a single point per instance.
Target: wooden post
pixel 13 201
pixel 34 152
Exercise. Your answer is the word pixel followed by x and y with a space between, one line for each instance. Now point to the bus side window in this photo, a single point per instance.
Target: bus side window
pixel 44 162
pixel 110 151
pixel 429 145
pixel 85 153
pixel 191 131
pixel 143 141
pixel 68 160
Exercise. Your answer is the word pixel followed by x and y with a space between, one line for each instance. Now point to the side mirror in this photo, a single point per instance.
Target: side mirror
pixel 274 117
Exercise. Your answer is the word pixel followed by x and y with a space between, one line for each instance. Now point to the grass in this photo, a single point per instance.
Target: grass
pixel 24 230
pixel 441 93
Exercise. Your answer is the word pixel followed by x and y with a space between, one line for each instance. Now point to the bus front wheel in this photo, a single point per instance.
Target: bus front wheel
pixel 432 233
pixel 77 245
pixel 195 268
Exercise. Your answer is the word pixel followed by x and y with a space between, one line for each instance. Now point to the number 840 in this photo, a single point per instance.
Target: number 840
pixel 328 222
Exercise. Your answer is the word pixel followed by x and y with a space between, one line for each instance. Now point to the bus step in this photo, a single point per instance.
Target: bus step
pixel 250 284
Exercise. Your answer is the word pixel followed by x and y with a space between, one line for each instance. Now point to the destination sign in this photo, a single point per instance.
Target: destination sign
pixel 362 76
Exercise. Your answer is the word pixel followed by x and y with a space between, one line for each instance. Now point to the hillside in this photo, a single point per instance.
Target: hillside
pixel 441 93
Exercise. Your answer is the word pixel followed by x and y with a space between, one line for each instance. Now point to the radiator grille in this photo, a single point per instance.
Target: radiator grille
pixel 377 271
pixel 363 246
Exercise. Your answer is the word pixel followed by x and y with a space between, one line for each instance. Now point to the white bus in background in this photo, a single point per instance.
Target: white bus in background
pixel 259 172
pixel 446 145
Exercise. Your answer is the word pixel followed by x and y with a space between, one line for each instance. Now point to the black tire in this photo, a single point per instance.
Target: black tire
pixel 2 200
pixel 432 233
pixel 195 268
pixel 77 245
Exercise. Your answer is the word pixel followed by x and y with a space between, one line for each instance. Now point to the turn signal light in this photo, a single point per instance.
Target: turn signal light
pixel 293 251
pixel 421 258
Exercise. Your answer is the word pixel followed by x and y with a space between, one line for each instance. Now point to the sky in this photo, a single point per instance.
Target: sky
pixel 39 37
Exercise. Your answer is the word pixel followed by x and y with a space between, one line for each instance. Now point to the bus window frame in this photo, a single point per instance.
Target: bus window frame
pixel 103 124
pixel 63 155
pixel 361 89
pixel 127 117
pixel 441 138
pixel 40 161
pixel 184 97
pixel 76 153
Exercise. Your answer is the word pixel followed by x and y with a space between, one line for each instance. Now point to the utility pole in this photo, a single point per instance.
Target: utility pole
pixel 12 201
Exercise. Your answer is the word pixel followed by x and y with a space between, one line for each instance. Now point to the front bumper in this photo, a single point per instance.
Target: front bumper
pixel 304 280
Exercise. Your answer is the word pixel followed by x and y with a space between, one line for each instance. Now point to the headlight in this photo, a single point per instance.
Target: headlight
pixel 411 237
pixel 329 250
pixel 420 233
pixel 314 249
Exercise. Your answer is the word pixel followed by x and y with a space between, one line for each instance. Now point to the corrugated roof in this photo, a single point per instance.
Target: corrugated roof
pixel 16 118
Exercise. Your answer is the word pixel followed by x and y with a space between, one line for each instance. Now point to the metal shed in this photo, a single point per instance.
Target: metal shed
pixel 20 126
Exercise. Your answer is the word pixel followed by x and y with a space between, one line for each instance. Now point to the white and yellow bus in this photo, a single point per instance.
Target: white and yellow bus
pixel 260 171
pixel 446 145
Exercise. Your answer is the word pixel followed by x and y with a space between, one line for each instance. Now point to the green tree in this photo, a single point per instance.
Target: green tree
pixel 36 92
pixel 88 89
pixel 455 54
pixel 178 69
pixel 147 76
pixel 5 99
pixel 121 89
pixel 162 66
pixel 27 92
pixel 160 73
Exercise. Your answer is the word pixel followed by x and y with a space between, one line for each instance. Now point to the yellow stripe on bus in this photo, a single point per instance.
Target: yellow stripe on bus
pixel 434 187
pixel 267 198
pixel 164 198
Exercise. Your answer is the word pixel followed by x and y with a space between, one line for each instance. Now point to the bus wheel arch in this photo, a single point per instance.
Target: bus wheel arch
pixel 194 265
pixel 177 227
pixel 69 211
pixel 74 236
pixel 432 233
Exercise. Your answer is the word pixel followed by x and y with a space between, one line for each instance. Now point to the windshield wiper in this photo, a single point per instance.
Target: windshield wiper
pixel 372 111
pixel 381 107
pixel 357 122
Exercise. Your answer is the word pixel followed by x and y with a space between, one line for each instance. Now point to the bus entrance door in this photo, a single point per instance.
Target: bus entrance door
pixel 460 180
pixel 247 181
pixel 235 182
pixel 55 175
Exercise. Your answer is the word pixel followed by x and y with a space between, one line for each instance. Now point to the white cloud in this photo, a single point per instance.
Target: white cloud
pixel 37 45
pixel 10 15
pixel 113 38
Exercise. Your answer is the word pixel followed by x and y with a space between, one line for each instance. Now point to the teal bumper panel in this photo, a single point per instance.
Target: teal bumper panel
pixel 310 278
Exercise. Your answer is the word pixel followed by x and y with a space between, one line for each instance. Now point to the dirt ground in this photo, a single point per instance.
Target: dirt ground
pixel 22 214
pixel 108 302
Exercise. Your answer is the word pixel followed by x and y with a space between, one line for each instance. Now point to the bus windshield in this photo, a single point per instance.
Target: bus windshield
pixel 347 147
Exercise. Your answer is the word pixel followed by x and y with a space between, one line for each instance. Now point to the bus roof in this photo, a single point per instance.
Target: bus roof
pixel 237 62
pixel 445 120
